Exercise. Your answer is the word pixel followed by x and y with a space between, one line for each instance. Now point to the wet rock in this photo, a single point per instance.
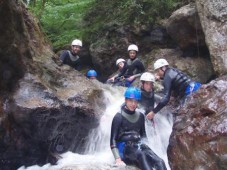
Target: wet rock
pixel 199 134
pixel 45 109
pixel 213 19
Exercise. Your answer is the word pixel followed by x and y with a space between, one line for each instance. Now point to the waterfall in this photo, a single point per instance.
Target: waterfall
pixel 98 146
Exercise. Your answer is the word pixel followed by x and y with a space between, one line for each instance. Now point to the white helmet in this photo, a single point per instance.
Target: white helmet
pixel 133 47
pixel 77 42
pixel 147 77
pixel 119 60
pixel 160 63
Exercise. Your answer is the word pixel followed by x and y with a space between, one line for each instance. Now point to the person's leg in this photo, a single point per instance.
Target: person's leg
pixel 149 160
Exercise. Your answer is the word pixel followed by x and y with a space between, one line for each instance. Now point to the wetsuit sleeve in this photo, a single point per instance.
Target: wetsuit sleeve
pixel 114 134
pixel 167 93
pixel 63 56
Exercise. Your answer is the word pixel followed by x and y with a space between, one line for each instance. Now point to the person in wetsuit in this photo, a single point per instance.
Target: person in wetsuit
pixel 92 74
pixel 173 80
pixel 72 58
pixel 147 93
pixel 135 67
pixel 127 132
pixel 118 79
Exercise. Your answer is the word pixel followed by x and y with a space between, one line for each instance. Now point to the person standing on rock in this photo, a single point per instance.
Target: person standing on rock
pixel 71 58
pixel 173 80
pixel 128 136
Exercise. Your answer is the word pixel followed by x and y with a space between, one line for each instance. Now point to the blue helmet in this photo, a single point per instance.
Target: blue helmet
pixel 133 93
pixel 91 73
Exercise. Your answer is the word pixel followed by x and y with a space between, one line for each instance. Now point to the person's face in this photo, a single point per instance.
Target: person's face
pixel 132 54
pixel 148 86
pixel 131 104
pixel 121 65
pixel 159 72
pixel 92 77
pixel 75 49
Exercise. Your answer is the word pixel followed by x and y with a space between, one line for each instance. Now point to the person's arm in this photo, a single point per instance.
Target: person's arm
pixel 167 93
pixel 63 56
pixel 113 139
pixel 114 134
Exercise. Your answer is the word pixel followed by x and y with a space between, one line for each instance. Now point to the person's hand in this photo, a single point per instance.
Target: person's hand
pixel 150 115
pixel 119 162
pixel 111 79
pixel 131 78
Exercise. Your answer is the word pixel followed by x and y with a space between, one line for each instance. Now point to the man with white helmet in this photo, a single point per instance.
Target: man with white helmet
pixel 147 92
pixel 173 80
pixel 71 58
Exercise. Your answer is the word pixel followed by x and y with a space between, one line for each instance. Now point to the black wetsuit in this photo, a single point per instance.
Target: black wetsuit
pixel 120 79
pixel 128 127
pixel 131 68
pixel 174 80
pixel 147 101
pixel 73 60
pixel 134 68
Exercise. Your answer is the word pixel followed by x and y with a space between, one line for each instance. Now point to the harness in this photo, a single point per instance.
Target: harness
pixel 72 57
pixel 129 63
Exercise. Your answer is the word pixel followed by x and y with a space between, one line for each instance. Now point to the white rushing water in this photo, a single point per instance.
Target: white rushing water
pixel 98 147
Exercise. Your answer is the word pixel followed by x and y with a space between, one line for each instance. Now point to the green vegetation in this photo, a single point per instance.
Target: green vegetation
pixel 64 20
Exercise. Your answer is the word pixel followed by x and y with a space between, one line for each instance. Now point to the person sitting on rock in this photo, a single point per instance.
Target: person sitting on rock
pixel 173 80
pixel 92 74
pixel 71 58
pixel 117 79
pixel 128 136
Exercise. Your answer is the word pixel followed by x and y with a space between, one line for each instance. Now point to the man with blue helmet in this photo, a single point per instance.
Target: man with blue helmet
pixel 92 74
pixel 127 131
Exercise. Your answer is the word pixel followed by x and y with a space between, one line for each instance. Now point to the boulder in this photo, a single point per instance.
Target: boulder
pixel 184 27
pixel 213 19
pixel 45 109
pixel 199 136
